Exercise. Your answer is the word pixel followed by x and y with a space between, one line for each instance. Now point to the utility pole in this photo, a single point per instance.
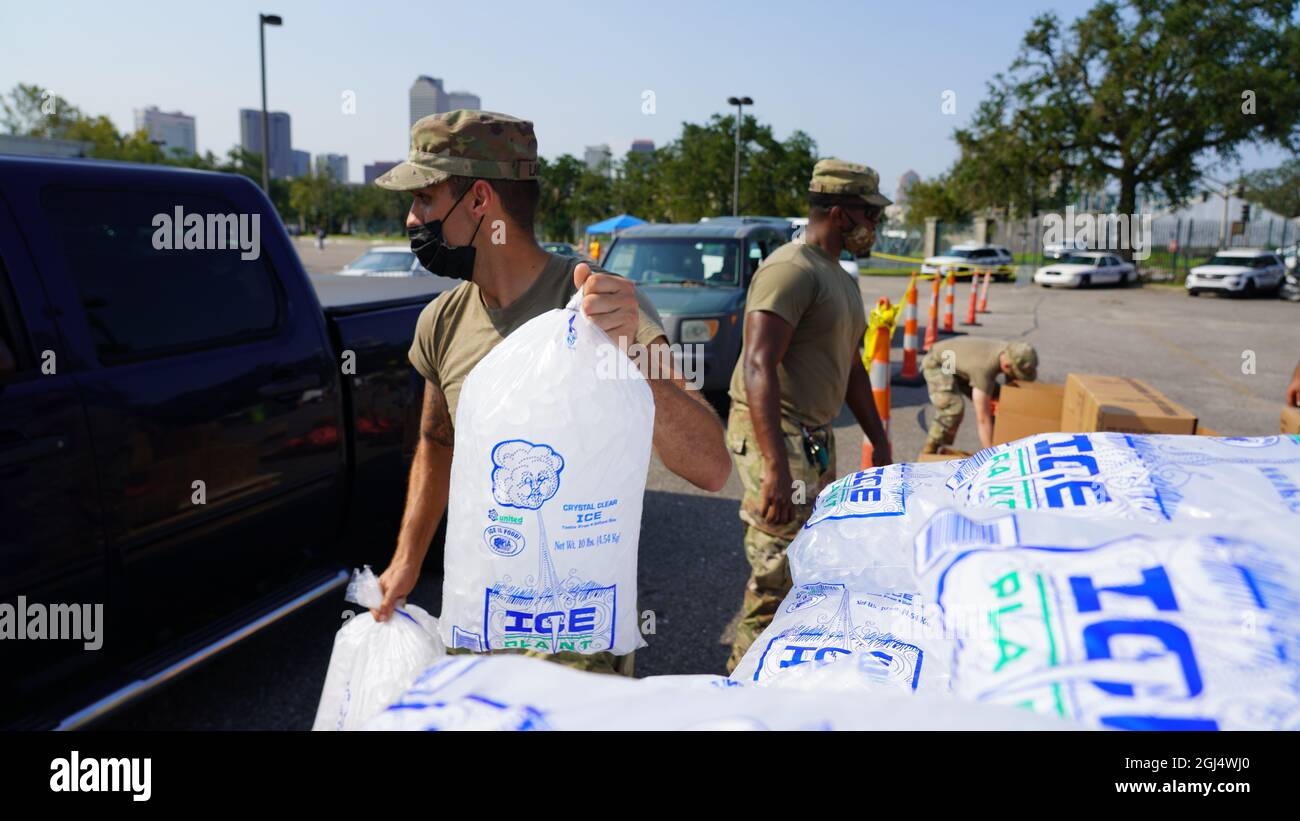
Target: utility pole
pixel 1225 191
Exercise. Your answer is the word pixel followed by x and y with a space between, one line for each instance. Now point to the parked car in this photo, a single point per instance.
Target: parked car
pixel 1245 271
pixel 564 249
pixel 786 224
pixel 849 263
pixel 1083 268
pixel 697 276
pixel 1290 256
pixel 1056 250
pixel 200 440
pixel 964 260
pixel 384 261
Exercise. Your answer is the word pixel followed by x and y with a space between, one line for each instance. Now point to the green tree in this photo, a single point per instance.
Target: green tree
pixel 378 210
pixel 559 182
pixel 776 181
pixel 940 197
pixel 32 111
pixel 1015 161
pixel 1143 92
pixel 637 189
pixel 696 171
pixel 1277 189
pixel 318 200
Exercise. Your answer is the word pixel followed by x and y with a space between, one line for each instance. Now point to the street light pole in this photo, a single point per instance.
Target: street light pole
pixel 739 103
pixel 264 20
pixel 1224 190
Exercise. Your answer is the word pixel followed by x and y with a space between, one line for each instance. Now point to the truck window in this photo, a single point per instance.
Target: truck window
pixel 144 299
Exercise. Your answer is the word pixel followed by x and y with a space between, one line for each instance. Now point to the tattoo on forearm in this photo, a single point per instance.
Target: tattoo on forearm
pixel 435 422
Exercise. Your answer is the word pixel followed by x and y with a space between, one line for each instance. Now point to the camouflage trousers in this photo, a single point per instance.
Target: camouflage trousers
pixel 946 397
pixel 607 663
pixel 765 544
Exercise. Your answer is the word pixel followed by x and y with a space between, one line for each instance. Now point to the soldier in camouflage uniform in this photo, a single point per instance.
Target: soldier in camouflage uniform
pixel 467 168
pixel 970 365
pixel 799 364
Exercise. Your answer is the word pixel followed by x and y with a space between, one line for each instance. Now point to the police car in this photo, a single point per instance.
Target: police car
pixel 1083 268
pixel 1245 271
pixel 967 258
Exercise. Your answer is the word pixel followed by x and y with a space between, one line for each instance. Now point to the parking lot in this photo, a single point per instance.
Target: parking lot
pixel 1227 360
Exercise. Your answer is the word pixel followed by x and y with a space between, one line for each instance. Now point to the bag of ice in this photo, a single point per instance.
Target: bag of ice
pixel 551 452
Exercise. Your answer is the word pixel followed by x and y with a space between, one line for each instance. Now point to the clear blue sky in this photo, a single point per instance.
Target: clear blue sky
pixel 863 78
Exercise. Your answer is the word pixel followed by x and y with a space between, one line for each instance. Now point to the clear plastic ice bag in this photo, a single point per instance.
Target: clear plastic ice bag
pixel 553 438
pixel 374 662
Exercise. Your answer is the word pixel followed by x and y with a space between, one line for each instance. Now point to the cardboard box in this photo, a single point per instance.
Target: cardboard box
pixel 1027 408
pixel 1291 420
pixel 1204 431
pixel 945 454
pixel 1121 404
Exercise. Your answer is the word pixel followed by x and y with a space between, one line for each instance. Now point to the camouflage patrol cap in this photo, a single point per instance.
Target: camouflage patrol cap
pixel 1024 361
pixel 465 143
pixel 832 176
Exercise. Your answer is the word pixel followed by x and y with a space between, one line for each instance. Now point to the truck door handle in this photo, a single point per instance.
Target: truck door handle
pixel 285 387
pixel 30 451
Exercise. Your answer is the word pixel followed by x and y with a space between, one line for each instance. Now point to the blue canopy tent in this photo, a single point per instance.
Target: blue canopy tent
pixel 614 224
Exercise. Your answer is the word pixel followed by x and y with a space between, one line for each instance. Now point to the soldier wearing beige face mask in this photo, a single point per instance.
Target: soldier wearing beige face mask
pixel 799 363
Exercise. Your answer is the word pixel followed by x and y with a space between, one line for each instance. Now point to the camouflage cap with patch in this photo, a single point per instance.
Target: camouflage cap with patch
pixel 465 143
pixel 832 176
pixel 1024 361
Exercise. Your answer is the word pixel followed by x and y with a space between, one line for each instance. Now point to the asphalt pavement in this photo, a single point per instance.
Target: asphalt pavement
pixel 692 568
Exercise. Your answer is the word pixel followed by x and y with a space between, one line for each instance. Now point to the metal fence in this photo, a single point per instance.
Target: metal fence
pixel 899 240
pixel 1174 244
pixel 948 234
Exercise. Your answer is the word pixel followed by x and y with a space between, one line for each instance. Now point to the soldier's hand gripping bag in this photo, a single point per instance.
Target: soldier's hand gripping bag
pixel 374 662
pixel 553 435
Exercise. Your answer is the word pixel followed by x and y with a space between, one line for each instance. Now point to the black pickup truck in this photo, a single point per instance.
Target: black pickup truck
pixel 195 435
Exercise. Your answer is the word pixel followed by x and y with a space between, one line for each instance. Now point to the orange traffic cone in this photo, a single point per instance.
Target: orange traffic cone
pixel 932 324
pixel 949 297
pixel 984 292
pixel 974 295
pixel 879 380
pixel 909 375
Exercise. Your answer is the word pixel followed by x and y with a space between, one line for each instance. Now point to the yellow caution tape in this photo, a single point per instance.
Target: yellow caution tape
pixel 880 317
pixel 895 258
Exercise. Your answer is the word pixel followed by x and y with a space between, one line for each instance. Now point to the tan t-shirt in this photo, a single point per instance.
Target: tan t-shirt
pixel 974 360
pixel 805 287
pixel 456 329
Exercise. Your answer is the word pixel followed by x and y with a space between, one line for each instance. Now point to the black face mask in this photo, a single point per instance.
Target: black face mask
pixel 436 255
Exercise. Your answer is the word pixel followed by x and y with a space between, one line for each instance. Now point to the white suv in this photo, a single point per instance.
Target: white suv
pixel 1238 271
pixel 1289 255
pixel 967 258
